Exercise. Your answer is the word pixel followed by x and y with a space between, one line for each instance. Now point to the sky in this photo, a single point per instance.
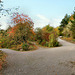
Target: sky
pixel 42 12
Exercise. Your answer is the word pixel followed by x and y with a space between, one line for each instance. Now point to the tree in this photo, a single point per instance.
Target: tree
pixel 73 26
pixel 2 9
pixel 57 30
pixel 43 34
pixel 65 20
pixel 20 18
pixel 39 34
pixel 23 28
pixel 47 28
pixel 6 12
pixel 64 23
pixel 46 36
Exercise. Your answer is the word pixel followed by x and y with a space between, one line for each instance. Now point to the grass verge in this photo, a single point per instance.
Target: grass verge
pixel 2 60
pixel 69 39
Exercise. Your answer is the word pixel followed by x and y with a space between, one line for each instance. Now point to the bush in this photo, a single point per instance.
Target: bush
pixel 5 42
pixel 56 44
pixel 39 41
pixel 31 47
pixel 2 60
pixel 43 43
pixel 3 45
pixel 73 40
pixel 25 46
pixel 53 41
pixel 46 44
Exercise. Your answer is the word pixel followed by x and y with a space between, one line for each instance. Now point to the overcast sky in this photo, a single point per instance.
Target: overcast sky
pixel 42 12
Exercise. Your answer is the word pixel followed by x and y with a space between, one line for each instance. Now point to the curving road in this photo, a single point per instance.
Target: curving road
pixel 44 61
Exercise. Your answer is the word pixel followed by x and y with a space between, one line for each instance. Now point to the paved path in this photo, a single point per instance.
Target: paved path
pixel 44 61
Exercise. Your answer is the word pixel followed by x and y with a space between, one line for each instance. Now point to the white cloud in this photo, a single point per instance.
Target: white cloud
pixel 43 18
pixel 41 21
pixel 3 22
pixel 4 25
pixel 55 22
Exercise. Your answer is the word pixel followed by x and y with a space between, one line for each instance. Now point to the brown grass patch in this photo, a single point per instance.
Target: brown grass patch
pixel 2 59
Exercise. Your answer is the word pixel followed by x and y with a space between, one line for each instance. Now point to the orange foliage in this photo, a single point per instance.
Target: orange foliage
pixel 11 31
pixel 17 18
pixel 46 36
pixel 68 39
pixel 20 18
pixel 71 18
pixel 0 65
pixel 32 32
pixel 44 29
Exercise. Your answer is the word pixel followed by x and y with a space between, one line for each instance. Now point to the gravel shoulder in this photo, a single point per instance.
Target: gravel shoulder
pixel 44 61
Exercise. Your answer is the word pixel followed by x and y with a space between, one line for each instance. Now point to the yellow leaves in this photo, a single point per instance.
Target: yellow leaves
pixel 71 18
pixel 0 42
pixel 56 30
pixel 19 46
pixel 44 29
pixel 32 31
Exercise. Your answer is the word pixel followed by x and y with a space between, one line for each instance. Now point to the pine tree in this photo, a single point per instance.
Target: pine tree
pixel 73 26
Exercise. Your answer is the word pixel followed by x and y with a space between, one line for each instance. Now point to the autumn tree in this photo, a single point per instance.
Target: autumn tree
pixel 57 30
pixel 47 31
pixel 23 28
pixel 47 28
pixel 46 36
pixel 39 34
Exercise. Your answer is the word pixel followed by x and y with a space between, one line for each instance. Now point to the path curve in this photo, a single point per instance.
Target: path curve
pixel 44 61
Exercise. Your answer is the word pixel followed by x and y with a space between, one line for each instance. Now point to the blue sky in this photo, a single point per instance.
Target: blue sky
pixel 42 12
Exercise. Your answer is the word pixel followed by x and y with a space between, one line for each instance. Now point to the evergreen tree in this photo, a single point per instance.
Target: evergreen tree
pixel 64 23
pixel 73 26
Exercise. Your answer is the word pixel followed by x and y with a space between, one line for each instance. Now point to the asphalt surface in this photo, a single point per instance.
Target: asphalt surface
pixel 44 61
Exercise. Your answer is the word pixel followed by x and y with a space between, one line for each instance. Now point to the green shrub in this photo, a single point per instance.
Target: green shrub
pixel 46 44
pixel 30 43
pixel 39 41
pixel 43 43
pixel 3 45
pixel 73 40
pixel 12 42
pixel 31 47
pixel 25 46
pixel 51 40
pixel 56 44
